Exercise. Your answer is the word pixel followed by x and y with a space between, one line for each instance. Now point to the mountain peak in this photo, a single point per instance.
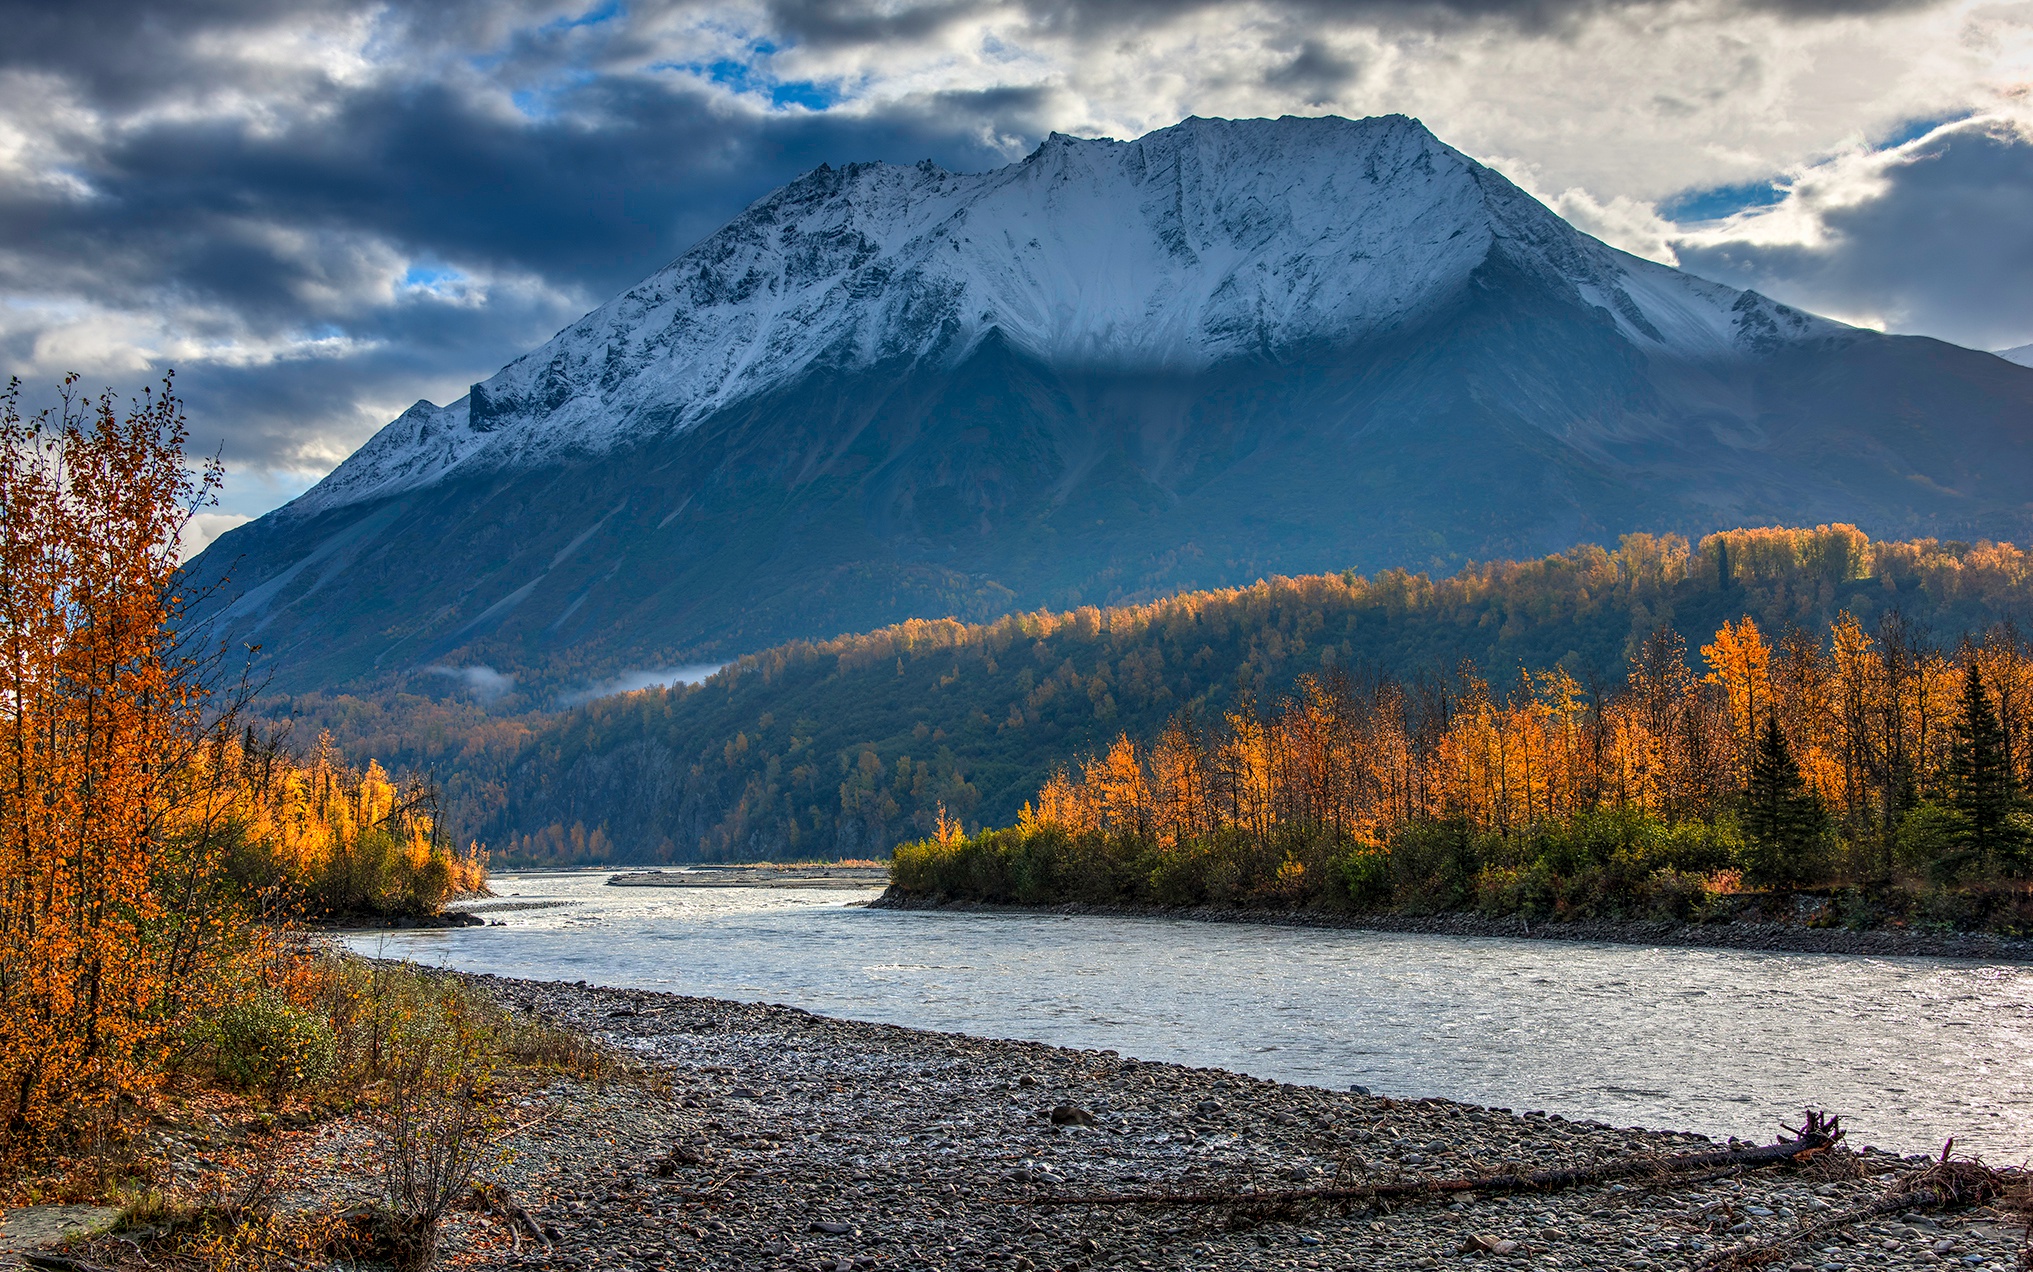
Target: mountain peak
pixel 1207 242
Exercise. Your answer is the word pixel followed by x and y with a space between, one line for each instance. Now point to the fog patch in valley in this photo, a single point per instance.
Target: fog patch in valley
pixel 482 681
pixel 648 678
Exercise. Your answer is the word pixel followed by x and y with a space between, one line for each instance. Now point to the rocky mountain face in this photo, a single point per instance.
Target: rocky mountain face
pixel 1225 350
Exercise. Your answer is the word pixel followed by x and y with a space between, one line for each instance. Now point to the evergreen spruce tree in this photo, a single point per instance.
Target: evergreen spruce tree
pixel 1785 822
pixel 1980 782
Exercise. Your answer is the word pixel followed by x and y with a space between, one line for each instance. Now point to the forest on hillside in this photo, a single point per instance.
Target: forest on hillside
pixel 850 746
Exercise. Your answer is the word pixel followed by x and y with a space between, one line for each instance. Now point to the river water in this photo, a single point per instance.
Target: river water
pixel 1909 1050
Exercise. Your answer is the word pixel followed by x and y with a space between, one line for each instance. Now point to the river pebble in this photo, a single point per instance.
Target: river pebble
pixel 769 1137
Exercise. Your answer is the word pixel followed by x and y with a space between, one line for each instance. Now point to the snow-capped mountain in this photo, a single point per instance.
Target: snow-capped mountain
pixel 2023 355
pixel 1209 241
pixel 1223 350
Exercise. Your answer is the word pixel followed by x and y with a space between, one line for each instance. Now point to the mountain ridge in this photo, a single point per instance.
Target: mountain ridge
pixel 1226 350
pixel 850 745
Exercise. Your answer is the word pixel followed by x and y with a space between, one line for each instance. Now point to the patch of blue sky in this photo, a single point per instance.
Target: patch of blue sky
pixel 1914 130
pixel 592 17
pixel 728 73
pixel 806 93
pixel 426 281
pixel 751 77
pixel 1717 202
pixel 430 276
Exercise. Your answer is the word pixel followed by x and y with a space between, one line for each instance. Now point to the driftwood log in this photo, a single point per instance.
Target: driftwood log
pixel 1816 1134
pixel 1947 1184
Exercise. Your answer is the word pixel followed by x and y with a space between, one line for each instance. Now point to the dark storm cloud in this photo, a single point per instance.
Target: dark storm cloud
pixel 613 175
pixel 1945 248
pixel 630 175
pixel 1316 73
pixel 288 220
pixel 859 22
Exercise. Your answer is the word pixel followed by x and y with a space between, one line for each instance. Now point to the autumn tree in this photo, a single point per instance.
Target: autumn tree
pixel 99 713
pixel 1740 662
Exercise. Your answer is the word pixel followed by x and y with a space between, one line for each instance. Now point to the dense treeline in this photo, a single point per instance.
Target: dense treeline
pixel 144 836
pixel 314 838
pixel 1847 759
pixel 463 749
pixel 850 746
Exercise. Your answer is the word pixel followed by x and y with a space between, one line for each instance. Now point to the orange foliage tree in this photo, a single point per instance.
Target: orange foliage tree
pixel 99 713
pixel 140 834
pixel 316 837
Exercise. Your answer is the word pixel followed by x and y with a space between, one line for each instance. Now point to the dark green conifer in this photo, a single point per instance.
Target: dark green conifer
pixel 1786 824
pixel 1981 785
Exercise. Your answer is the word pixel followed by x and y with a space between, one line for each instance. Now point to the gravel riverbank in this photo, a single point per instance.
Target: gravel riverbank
pixel 1737 934
pixel 769 1137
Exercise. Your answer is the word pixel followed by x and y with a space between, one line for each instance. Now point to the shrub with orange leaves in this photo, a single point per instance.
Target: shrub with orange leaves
pixel 317 839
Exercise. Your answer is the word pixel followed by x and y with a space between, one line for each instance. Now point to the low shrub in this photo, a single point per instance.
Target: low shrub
pixel 261 1042
pixel 1364 871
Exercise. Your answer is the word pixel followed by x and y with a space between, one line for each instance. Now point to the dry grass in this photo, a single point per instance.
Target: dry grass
pixel 424 1065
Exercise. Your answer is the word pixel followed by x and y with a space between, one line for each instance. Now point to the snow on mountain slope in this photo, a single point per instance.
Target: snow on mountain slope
pixel 1207 241
pixel 2023 355
pixel 414 449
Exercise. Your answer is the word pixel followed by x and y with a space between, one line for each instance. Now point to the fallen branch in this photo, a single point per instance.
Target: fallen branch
pixel 1817 1134
pixel 56 1262
pixel 1946 1184
pixel 496 1200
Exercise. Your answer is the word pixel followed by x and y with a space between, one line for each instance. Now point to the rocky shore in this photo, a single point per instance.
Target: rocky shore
pixel 1735 934
pixel 446 918
pixel 768 1137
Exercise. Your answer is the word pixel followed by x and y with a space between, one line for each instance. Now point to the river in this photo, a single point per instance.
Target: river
pixel 1909 1050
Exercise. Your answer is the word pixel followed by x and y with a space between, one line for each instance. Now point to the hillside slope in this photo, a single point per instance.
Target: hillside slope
pixel 1227 350
pixel 845 747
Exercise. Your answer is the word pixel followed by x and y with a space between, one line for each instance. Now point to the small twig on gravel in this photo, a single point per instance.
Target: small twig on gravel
pixel 1816 1135
pixel 517 1130
pixel 710 1194
pixel 1947 1184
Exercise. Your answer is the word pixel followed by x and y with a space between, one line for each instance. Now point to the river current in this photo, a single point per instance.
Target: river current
pixel 1909 1050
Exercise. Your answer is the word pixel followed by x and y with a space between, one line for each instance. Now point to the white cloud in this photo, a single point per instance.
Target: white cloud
pixel 480 680
pixel 1635 102
pixel 1933 236
pixel 204 527
pixel 652 678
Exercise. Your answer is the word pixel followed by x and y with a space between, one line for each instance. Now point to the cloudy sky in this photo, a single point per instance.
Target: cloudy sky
pixel 318 211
